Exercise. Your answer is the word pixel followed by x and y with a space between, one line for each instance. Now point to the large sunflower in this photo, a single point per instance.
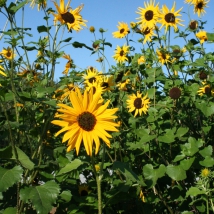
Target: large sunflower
pixel 70 17
pixel 8 53
pixel 123 30
pixel 86 121
pixel 148 15
pixel 169 17
pixel 199 7
pixel 138 104
pixel 121 53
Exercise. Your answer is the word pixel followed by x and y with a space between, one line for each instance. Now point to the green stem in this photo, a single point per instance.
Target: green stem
pixel 98 180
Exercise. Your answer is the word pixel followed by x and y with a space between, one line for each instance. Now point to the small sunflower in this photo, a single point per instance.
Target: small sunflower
pixel 202 36
pixel 175 93
pixel 141 60
pixel 83 190
pixel 2 71
pixel 72 18
pixel 190 1
pixel 123 30
pixel 206 89
pixel 67 90
pixel 121 53
pixel 199 7
pixel 95 87
pixel 122 85
pixel 169 17
pixel 163 56
pixel 8 53
pixel 69 63
pixel 40 3
pixel 193 25
pixel 86 121
pixel 148 15
pixel 205 172
pixel 148 33
pixel 138 104
pixel 92 75
pixel 107 83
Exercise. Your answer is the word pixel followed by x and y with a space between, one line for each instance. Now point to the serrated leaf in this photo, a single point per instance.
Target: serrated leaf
pixel 194 191
pixel 207 162
pixel 70 167
pixel 42 197
pixel 207 151
pixel 8 177
pixel 177 173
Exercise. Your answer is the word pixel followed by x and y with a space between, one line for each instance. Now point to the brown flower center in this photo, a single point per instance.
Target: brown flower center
pixel 149 15
pixel 170 18
pixel 68 17
pixel 200 5
pixel 92 79
pixel 8 54
pixel 202 75
pixel 119 77
pixel 93 89
pixel 207 90
pixel 193 25
pixel 175 92
pixel 138 103
pixel 104 85
pixel 146 31
pixel 86 121
pixel 122 30
pixel 84 193
pixel 122 53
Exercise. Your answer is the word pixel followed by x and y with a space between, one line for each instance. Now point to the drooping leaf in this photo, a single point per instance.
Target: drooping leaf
pixel 81 45
pixel 177 173
pixel 194 191
pixel 8 177
pixel 43 28
pixel 42 197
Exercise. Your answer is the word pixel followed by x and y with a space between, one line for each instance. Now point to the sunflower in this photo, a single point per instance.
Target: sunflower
pixel 202 36
pixel 8 53
pixel 193 25
pixel 121 53
pixel 205 90
pixel 67 90
pixel 175 93
pixel 123 83
pixel 169 17
pixel 163 56
pixel 123 30
pixel 95 87
pixel 2 71
pixel 69 63
pixel 190 1
pixel 148 15
pixel 72 18
pixel 141 60
pixel 108 83
pixel 92 75
pixel 148 33
pixel 41 4
pixel 199 7
pixel 83 190
pixel 86 121
pixel 138 103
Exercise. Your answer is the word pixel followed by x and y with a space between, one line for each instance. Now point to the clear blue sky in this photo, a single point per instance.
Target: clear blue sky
pixel 105 14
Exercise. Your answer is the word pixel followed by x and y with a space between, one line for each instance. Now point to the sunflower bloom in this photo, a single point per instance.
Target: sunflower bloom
pixel 163 57
pixel 41 4
pixel 123 30
pixel 199 7
pixel 148 33
pixel 141 60
pixel 190 1
pixel 108 83
pixel 69 63
pixel 169 18
pixel 148 15
pixel 121 53
pixel 95 87
pixel 2 71
pixel 72 18
pixel 8 53
pixel 92 75
pixel 86 121
pixel 202 36
pixel 206 90
pixel 138 104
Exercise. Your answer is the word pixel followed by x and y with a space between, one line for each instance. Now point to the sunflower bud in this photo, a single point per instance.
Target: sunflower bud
pixel 92 29
pixel 101 30
pixel 193 25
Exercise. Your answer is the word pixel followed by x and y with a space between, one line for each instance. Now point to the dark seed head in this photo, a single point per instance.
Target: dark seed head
pixel 149 15
pixel 202 75
pixel 68 17
pixel 138 103
pixel 175 92
pixel 86 121
pixel 170 18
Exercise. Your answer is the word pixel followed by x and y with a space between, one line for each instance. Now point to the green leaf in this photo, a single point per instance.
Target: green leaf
pixel 189 149
pixel 207 151
pixel 10 210
pixel 28 48
pixel 179 157
pixel 42 197
pixel 210 37
pixel 168 137
pixel 81 45
pixel 181 131
pixel 108 44
pixel 66 40
pixel 70 167
pixel 153 174
pixel 125 170
pixel 65 196
pixel 186 164
pixel 206 109
pixel 8 177
pixel 177 173
pixel 43 28
pixel 6 152
pixel 194 191
pixel 207 162
pixel 13 8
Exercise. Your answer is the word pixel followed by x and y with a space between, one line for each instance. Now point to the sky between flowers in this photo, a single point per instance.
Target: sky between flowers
pixel 106 14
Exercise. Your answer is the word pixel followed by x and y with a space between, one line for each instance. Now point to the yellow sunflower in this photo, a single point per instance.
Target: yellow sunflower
pixel 72 18
pixel 202 36
pixel 86 121
pixel 190 1
pixel 148 33
pixel 206 89
pixel 41 4
pixel 92 75
pixel 2 71
pixel 108 83
pixel 69 63
pixel 169 17
pixel 123 30
pixel 148 15
pixel 138 104
pixel 121 53
pixel 141 60
pixel 199 7
pixel 122 85
pixel 163 56
pixel 67 90
pixel 95 87
pixel 8 53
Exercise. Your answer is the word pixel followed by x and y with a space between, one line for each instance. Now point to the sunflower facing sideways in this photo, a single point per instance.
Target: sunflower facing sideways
pixel 7 53
pixel 163 56
pixel 138 104
pixel 123 30
pixel 148 33
pixel 70 17
pixel 202 36
pixel 86 121
pixel 121 53
pixel 169 18
pixel 199 7
pixel 92 75
pixel 148 15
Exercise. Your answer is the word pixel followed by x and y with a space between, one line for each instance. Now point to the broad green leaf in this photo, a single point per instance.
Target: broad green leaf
pixel 125 170
pixel 43 28
pixel 179 157
pixel 70 167
pixel 81 45
pixel 207 162
pixel 65 196
pixel 181 131
pixel 186 164
pixel 207 151
pixel 153 174
pixel 190 148
pixel 210 37
pixel 10 210
pixel 177 173
pixel 8 177
pixel 13 8
pixel 42 197
pixel 168 137
pixel 207 109
pixel 194 191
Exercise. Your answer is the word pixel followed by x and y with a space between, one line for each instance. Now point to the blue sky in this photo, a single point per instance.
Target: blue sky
pixel 104 14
